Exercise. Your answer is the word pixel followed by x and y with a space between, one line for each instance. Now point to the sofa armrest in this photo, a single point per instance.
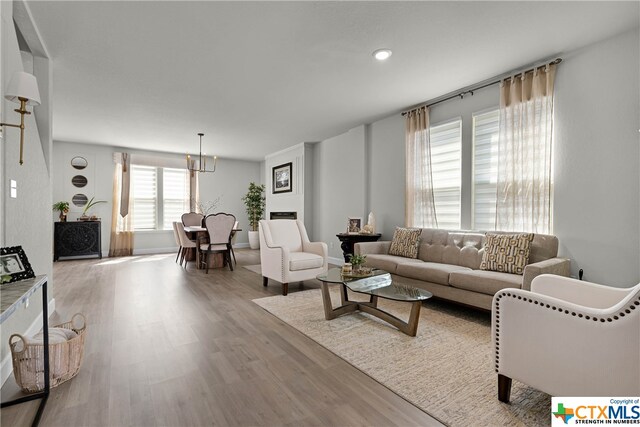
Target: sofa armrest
pixel 365 248
pixel 558 266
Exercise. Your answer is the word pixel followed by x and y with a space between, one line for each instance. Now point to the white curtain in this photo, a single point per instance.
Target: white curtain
pixel 121 243
pixel 419 201
pixel 524 190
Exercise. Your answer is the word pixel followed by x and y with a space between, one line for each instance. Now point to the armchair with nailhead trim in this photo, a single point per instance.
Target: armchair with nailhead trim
pixel 287 255
pixel 567 337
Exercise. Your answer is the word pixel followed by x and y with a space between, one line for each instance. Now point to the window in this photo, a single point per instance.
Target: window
pixel 145 191
pixel 175 193
pixel 485 169
pixel 151 212
pixel 446 169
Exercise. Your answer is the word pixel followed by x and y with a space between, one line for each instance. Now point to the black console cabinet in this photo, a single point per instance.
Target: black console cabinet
pixel 77 238
pixel 349 240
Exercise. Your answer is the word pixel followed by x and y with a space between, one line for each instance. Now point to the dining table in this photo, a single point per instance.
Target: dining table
pixel 200 232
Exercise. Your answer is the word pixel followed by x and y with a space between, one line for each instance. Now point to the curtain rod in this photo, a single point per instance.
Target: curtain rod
pixel 460 93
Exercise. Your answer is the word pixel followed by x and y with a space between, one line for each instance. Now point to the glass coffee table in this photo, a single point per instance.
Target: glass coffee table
pixel 378 285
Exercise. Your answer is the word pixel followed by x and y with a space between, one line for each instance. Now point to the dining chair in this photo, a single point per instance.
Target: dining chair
pixel 219 228
pixel 177 224
pixel 185 242
pixel 232 240
pixel 192 219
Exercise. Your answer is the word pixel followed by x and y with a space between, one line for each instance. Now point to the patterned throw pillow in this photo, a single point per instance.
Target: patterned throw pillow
pixel 507 253
pixel 405 242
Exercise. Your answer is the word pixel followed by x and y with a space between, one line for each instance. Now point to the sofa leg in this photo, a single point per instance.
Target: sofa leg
pixel 504 388
pixel 265 280
pixel 285 289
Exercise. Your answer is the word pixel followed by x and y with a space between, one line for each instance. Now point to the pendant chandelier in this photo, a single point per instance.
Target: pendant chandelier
pixel 200 165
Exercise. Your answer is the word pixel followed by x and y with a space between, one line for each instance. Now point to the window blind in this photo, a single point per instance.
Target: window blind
pixel 485 169
pixel 175 197
pixel 145 191
pixel 446 169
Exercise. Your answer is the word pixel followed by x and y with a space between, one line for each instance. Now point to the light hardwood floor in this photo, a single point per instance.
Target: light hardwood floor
pixel 173 347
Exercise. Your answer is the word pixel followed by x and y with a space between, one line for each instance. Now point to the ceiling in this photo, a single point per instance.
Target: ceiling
pixel 257 77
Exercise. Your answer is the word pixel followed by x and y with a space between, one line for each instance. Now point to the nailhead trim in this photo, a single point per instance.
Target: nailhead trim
pixel 561 310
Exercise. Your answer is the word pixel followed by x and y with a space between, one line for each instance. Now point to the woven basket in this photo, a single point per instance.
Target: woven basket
pixel 64 358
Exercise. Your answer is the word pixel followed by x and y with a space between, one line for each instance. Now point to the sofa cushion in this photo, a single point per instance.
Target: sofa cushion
pixel 429 271
pixel 388 263
pixel 452 247
pixel 508 253
pixel 405 242
pixel 485 282
pixel 304 261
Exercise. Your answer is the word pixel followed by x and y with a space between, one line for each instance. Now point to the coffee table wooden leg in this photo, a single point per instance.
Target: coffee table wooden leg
pixel 329 311
pixel 373 300
pixel 344 297
pixel 414 317
pixel 410 327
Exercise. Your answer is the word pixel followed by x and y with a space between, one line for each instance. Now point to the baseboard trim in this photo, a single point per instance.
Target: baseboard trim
pixel 6 367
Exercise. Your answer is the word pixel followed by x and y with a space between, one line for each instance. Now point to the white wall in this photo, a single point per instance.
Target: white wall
pixel 301 158
pixel 596 161
pixel 25 220
pixel 229 182
pixel 25 217
pixel 597 191
pixel 339 186
pixel 387 174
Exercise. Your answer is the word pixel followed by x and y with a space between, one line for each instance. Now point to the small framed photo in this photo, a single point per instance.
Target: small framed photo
pixel 14 265
pixel 354 225
pixel 282 179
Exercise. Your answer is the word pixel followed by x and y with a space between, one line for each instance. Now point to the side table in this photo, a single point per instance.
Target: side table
pixel 348 240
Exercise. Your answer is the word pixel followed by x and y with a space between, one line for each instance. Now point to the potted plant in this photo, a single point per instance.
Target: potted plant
pixel 254 200
pixel 91 203
pixel 63 208
pixel 357 261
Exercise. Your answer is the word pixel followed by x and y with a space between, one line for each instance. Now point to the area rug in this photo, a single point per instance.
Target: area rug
pixel 446 370
pixel 255 268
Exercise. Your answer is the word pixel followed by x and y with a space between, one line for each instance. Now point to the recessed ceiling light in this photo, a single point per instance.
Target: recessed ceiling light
pixel 382 54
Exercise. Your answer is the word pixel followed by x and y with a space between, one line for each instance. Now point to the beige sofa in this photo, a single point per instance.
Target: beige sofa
pixel 448 265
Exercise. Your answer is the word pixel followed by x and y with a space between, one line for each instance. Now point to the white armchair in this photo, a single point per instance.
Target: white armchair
pixel 287 255
pixel 567 338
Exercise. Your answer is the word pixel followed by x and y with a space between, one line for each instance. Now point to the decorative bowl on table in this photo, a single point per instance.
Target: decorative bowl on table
pixel 359 272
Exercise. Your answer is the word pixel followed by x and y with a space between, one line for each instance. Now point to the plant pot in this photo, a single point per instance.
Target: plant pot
pixel 63 217
pixel 254 240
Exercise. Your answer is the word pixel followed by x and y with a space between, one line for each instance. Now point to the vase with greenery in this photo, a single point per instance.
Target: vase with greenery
pixel 63 208
pixel 255 201
pixel 357 261
pixel 91 203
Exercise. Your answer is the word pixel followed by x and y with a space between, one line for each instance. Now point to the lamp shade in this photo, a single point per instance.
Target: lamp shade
pixel 23 85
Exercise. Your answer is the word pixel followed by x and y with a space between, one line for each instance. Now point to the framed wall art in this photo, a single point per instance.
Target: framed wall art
pixel 282 179
pixel 14 265
pixel 354 225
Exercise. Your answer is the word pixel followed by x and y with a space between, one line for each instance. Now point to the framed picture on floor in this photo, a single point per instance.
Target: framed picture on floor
pixel 282 179
pixel 14 265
